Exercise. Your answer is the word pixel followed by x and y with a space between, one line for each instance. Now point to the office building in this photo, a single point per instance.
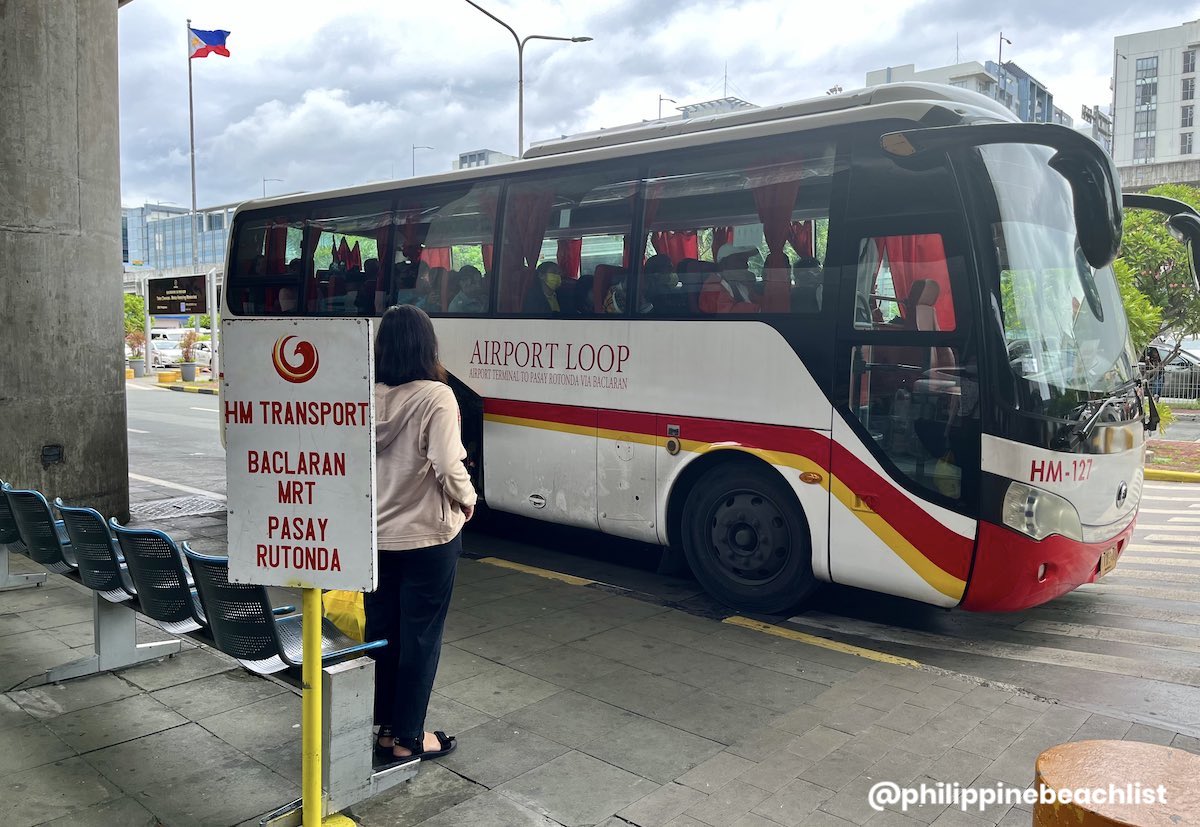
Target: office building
pixel 158 237
pixel 1154 91
pixel 481 158
pixel 1097 125
pixel 1012 86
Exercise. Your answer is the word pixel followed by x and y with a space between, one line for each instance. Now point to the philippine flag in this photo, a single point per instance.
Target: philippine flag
pixel 204 43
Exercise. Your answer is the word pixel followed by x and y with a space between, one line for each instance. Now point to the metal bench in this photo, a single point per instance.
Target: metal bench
pixel 114 620
pixel 244 626
pixel 10 543
pixel 101 565
pixel 166 593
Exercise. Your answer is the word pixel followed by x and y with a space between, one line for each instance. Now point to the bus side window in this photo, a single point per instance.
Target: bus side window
pixel 560 233
pixel 456 228
pixel 266 268
pixel 738 233
pixel 348 249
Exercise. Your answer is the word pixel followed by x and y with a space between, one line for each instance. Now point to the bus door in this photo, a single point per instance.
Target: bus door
pixel 906 435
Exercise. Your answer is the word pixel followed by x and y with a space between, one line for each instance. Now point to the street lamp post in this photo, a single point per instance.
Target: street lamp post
pixel 660 103
pixel 415 147
pixel 1112 124
pixel 521 41
pixel 265 180
pixel 1000 66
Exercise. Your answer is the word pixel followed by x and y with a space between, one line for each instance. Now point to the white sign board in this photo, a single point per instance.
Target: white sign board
pixel 298 407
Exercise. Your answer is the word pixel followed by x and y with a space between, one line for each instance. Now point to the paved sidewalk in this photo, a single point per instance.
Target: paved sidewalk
pixel 573 705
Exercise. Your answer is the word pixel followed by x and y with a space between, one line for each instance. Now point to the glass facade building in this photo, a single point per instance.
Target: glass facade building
pixel 159 237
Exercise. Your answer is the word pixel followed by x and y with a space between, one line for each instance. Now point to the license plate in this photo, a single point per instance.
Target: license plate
pixel 1108 561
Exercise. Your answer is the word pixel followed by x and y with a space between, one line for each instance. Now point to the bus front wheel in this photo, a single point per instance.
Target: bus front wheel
pixel 746 539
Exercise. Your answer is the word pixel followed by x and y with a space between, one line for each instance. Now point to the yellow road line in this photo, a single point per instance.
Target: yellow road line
pixel 569 579
pixel 824 643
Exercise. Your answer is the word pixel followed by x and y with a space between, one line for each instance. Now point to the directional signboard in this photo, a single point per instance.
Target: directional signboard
pixel 184 295
pixel 298 406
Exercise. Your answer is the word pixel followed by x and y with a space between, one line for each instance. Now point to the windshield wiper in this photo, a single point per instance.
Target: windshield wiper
pixel 1082 431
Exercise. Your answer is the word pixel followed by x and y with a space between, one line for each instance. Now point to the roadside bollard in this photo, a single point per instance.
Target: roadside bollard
pixel 1118 783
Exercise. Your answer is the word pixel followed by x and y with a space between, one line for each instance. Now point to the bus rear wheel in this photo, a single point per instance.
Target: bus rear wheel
pixel 746 539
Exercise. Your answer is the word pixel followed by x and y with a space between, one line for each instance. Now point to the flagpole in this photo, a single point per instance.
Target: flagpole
pixel 192 154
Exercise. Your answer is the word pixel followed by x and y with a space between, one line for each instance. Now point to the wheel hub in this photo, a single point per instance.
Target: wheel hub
pixel 749 537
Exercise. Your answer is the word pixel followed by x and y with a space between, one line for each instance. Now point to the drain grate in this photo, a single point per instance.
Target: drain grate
pixel 177 507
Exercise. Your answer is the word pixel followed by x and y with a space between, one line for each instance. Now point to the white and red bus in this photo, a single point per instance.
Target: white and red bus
pixel 872 339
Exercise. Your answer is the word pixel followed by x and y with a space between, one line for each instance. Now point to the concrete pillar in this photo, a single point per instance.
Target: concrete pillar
pixel 61 319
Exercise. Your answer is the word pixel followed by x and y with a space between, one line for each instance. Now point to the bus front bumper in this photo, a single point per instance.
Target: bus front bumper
pixel 1008 574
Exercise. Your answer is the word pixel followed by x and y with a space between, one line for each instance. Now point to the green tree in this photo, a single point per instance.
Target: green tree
pixel 135 313
pixel 1156 267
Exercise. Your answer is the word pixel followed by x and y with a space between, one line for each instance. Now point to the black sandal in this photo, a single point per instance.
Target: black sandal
pixel 384 755
pixel 417 747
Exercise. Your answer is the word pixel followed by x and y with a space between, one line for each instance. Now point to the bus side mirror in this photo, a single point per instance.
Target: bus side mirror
pixel 1185 227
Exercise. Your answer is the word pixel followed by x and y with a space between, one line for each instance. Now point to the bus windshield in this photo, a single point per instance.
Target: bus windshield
pixel 1064 324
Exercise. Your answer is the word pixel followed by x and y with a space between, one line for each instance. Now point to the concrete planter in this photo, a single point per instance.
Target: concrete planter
pixel 188 371
pixel 139 368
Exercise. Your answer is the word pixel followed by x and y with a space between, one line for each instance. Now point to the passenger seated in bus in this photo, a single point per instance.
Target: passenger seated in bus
pixel 731 289
pixel 471 297
pixel 617 299
pixel 575 295
pixel 663 296
pixel 807 277
pixel 364 302
pixel 691 280
pixel 542 297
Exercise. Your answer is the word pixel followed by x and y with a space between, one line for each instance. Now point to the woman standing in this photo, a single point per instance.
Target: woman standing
pixel 424 496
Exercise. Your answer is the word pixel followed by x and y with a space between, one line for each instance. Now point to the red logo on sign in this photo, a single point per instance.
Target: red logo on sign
pixel 305 369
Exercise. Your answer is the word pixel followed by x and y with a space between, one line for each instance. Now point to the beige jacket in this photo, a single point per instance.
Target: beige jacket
pixel 422 484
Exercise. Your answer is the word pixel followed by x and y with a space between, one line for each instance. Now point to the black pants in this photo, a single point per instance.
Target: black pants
pixel 409 611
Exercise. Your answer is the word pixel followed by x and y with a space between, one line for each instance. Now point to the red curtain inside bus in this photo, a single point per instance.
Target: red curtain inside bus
pixel 800 235
pixel 277 249
pixel 570 254
pixel 775 203
pixel 527 215
pixel 676 245
pixel 486 250
pixel 436 257
pixel 920 257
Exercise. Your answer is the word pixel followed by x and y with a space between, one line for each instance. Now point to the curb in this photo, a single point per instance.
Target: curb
pixel 1161 475
pixel 213 392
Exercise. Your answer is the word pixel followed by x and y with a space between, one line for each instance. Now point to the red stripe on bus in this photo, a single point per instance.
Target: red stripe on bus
pixel 946 549
pixel 562 414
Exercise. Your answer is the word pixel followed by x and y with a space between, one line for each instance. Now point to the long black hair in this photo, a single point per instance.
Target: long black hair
pixel 406 347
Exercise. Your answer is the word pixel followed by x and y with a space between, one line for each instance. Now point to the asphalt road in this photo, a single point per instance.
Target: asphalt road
pixel 1128 645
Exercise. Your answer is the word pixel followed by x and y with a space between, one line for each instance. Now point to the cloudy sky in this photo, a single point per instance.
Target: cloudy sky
pixel 326 95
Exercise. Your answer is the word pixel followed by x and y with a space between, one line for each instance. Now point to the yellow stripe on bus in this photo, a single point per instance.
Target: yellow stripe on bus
pixel 937 578
pixel 928 571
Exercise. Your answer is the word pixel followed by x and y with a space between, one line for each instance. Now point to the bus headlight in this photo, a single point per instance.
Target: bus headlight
pixel 1039 513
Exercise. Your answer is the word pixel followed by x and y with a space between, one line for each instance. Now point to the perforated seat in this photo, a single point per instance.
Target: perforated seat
pixel 10 535
pixel 164 586
pixel 101 565
pixel 44 538
pixel 242 623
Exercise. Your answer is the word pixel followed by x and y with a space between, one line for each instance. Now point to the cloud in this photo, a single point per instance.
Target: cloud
pixel 329 95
